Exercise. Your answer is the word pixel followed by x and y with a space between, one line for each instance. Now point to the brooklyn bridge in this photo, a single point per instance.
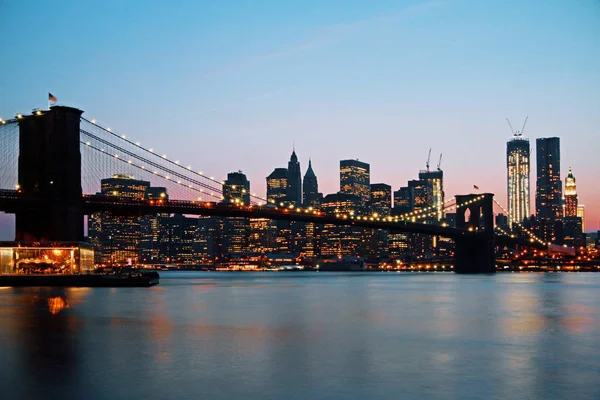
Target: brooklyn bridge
pixel 53 160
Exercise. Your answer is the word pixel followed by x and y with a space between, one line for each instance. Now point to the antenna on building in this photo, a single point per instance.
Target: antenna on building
pixel 439 163
pixel 428 158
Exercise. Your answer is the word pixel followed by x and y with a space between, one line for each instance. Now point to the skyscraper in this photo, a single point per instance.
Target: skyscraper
pixel 381 199
pixel 117 238
pixel 294 181
pixel 277 185
pixel 236 190
pixel 517 172
pixel 549 188
pixel 403 200
pixel 310 187
pixel 570 195
pixel 435 179
pixel 340 240
pixel 548 194
pixel 581 214
pixel 355 178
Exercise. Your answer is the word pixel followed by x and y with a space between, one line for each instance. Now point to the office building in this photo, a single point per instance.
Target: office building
pixel 517 172
pixel 548 197
pixel 310 186
pixel 435 196
pixel 381 199
pixel 581 214
pixel 340 240
pixel 277 186
pixel 294 181
pixel 236 190
pixel 116 238
pixel 355 179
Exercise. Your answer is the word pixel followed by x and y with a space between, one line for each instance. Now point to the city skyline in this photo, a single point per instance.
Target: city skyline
pixel 306 84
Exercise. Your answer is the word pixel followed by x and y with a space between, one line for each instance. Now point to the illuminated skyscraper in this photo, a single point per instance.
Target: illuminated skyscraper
pixel 548 197
pixel 277 185
pixel 236 190
pixel 117 238
pixel 355 178
pixel 177 237
pixel 311 188
pixel 517 172
pixel 340 240
pixel 149 245
pixel 381 199
pixel 570 195
pixel 549 188
pixel 294 181
pixel 435 197
pixel 581 214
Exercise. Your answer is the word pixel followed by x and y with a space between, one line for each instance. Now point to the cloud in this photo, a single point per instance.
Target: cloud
pixel 329 35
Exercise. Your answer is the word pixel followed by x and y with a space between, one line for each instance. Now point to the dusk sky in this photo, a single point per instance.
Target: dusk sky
pixel 227 86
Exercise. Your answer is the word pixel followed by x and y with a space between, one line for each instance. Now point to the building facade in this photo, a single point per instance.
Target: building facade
pixel 310 188
pixel 355 179
pixel 116 238
pixel 277 186
pixel 294 181
pixel 435 199
pixel 517 178
pixel 236 190
pixel 548 196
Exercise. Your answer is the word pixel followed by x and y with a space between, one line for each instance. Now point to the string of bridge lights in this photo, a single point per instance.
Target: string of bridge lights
pixel 164 157
pixel 143 160
pixel 155 172
pixel 531 235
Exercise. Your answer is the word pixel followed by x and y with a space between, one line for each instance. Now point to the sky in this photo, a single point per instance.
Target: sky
pixel 228 86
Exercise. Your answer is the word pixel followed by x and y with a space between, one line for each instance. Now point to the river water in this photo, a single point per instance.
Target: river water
pixel 306 336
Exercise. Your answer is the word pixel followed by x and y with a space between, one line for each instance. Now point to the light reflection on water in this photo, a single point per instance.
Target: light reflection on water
pixel 306 335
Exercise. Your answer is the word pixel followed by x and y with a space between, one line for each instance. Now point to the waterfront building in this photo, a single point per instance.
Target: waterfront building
pixel 177 238
pixel 355 179
pixel 294 181
pixel 340 240
pixel 116 238
pixel 518 172
pixel 262 235
pixel 236 190
pixel 209 239
pixel 149 244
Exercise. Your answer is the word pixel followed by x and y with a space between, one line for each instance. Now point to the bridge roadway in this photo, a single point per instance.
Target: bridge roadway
pixel 12 200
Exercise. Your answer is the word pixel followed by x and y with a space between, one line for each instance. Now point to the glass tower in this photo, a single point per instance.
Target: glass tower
pixel 517 172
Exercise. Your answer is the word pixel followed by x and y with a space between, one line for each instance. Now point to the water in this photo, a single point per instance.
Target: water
pixel 306 336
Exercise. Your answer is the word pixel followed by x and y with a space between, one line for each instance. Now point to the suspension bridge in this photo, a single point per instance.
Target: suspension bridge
pixel 54 160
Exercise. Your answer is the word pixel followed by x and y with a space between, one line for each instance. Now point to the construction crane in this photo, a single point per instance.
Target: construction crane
pixel 440 163
pixel 517 133
pixel 428 158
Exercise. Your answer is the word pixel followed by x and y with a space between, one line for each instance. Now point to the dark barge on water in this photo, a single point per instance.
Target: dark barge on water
pixel 129 279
